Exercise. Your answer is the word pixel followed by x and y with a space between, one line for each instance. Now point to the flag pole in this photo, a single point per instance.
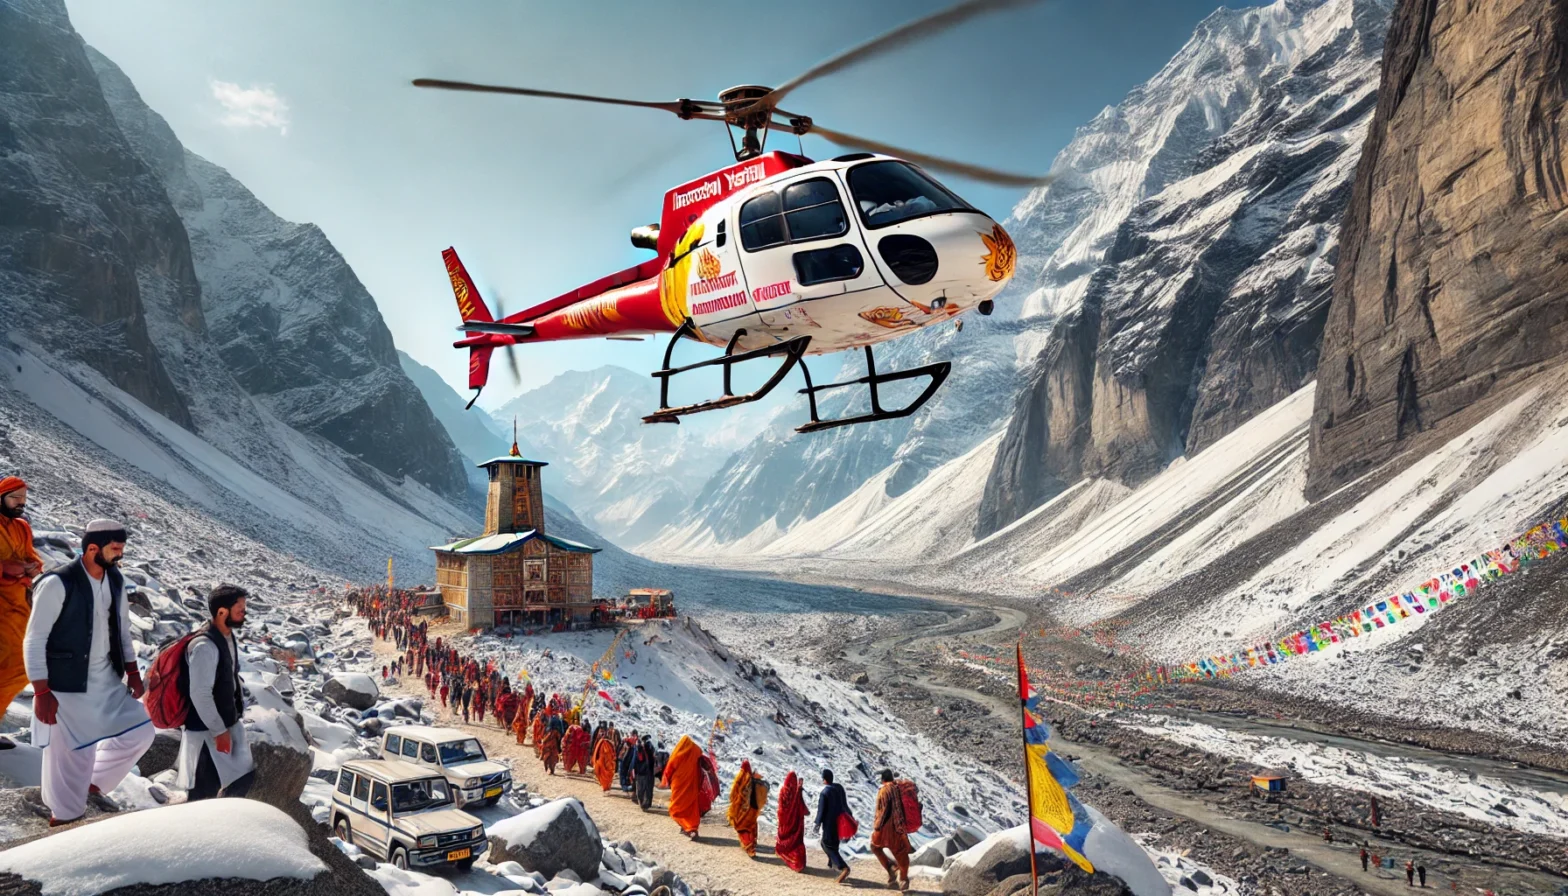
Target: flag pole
pixel 1023 731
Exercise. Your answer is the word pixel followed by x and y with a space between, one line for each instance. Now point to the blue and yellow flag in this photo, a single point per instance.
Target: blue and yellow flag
pixel 1056 821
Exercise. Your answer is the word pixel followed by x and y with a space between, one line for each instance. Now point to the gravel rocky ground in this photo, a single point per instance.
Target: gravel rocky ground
pixel 1456 850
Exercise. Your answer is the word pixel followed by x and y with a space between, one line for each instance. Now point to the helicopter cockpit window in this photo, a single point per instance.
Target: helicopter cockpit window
pixel 812 210
pixel 762 222
pixel 888 192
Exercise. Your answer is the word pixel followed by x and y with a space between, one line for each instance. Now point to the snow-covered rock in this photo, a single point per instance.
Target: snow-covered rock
pixel 553 839
pixel 168 845
pixel 354 689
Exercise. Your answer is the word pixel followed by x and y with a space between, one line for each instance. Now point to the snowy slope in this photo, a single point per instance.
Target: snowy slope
pixel 291 322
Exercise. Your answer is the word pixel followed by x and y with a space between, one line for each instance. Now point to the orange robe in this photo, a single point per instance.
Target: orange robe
pixel 604 763
pixel 575 753
pixel 683 776
pixel 746 801
pixel 550 751
pixel 16 551
pixel 538 733
pixel 520 727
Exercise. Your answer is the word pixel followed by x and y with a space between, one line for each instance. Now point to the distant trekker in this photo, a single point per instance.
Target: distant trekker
pixel 889 842
pixel 1364 855
pixel 1410 872
pixel 831 804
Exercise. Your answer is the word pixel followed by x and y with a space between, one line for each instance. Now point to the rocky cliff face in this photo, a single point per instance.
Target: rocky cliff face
pixel 89 248
pixel 1208 304
pixel 290 320
pixel 1451 284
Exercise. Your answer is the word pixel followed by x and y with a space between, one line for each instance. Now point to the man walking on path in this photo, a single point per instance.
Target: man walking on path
pixel 888 837
pixel 1421 873
pixel 1410 872
pixel 86 685
pixel 19 563
pixel 1363 858
pixel 831 804
pixel 214 752
pixel 643 773
pixel 683 776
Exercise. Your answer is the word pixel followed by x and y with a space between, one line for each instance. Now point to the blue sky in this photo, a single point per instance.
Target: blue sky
pixel 308 104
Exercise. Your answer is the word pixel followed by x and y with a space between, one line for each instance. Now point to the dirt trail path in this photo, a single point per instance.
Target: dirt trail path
pixel 714 862
pixel 880 659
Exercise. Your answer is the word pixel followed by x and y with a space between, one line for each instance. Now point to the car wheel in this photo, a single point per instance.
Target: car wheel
pixel 465 866
pixel 400 858
pixel 343 830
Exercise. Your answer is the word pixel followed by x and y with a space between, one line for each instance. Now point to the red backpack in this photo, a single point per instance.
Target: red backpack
pixel 165 700
pixel 908 805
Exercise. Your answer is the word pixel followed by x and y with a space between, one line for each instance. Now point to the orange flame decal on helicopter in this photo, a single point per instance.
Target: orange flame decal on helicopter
pixel 891 318
pixel 1002 255
pixel 708 267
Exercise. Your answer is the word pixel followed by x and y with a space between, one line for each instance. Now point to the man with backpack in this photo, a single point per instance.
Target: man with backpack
pixel 214 752
pixel 86 684
pixel 889 834
pixel 832 804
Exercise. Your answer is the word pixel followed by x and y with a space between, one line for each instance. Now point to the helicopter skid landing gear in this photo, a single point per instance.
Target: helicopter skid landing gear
pixel 937 372
pixel 791 349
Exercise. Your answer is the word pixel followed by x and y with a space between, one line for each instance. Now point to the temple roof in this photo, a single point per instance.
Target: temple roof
pixel 506 542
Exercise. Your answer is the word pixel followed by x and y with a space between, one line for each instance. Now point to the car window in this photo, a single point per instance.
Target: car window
pixel 378 797
pixel 416 796
pixel 467 750
pixel 427 753
pixel 842 262
pixel 345 781
pixel 394 743
pixel 410 749
pixel 361 787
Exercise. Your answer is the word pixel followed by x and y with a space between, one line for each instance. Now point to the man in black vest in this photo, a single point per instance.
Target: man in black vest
pixel 86 685
pixel 214 752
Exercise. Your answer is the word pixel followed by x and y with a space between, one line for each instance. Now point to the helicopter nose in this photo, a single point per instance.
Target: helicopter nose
pixel 957 259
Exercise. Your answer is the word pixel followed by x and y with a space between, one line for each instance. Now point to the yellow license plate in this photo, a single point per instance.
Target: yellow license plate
pixel 458 854
pixel 494 791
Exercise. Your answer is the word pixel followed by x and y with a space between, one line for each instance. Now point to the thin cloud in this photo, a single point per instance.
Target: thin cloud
pixel 251 107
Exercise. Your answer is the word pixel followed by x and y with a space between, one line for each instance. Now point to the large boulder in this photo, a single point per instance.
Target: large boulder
pixel 554 837
pixel 354 689
pixel 187 849
pixel 977 871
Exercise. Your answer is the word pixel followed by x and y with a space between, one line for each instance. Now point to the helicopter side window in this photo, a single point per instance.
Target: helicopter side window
pixel 812 211
pixel 762 222
pixel 888 192
pixel 720 237
pixel 842 262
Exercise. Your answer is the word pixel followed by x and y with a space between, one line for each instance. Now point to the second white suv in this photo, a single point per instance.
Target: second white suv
pixel 476 780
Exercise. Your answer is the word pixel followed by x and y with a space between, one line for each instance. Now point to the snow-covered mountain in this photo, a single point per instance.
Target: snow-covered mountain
pixel 290 320
pixel 626 478
pixel 1242 144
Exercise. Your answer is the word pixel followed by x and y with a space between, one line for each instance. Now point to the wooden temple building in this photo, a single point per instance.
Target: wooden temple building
pixel 516 573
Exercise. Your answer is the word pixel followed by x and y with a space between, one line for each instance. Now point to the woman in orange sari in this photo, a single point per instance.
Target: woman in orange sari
pixel 748 795
pixel 604 763
pixel 791 843
pixel 683 776
pixel 575 751
pixel 550 750
pixel 538 732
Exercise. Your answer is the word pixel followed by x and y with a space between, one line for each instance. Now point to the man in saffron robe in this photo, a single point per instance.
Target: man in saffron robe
pixel 791 843
pixel 683 776
pixel 550 750
pixel 889 842
pixel 748 796
pixel 19 563
pixel 604 764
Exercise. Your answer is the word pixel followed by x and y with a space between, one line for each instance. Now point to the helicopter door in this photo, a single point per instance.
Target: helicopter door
pixel 798 247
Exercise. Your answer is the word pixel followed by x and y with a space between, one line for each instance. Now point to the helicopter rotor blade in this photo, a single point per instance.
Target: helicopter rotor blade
pixel 684 108
pixel 901 36
pixel 511 348
pixel 935 163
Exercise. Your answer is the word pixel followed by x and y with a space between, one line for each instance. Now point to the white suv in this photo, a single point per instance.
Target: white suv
pixel 403 814
pixel 475 780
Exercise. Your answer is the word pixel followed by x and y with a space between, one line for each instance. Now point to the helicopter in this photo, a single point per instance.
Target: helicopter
pixel 779 256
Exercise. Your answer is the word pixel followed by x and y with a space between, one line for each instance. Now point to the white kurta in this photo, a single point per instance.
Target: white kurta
pixel 106 709
pixel 202 658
